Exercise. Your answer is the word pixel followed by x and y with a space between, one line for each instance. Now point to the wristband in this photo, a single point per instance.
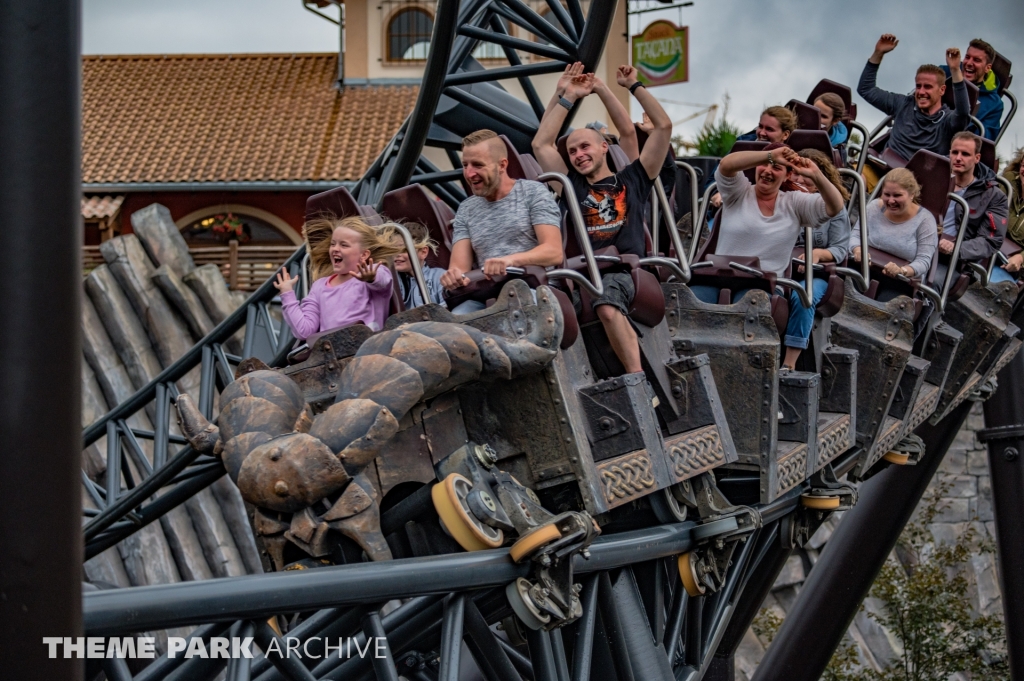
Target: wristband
pixel 566 103
pixel 634 86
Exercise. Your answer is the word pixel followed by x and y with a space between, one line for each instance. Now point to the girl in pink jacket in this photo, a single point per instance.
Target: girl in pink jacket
pixel 350 284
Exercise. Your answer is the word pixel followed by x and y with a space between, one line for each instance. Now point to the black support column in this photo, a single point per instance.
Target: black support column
pixel 1004 435
pixel 851 560
pixel 40 374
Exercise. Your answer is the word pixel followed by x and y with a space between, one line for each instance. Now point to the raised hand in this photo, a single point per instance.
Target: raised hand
pixel 804 167
pixel 786 157
pixel 571 71
pixel 953 59
pixel 646 125
pixel 366 271
pixel 284 281
pixel 580 86
pixel 887 43
pixel 625 75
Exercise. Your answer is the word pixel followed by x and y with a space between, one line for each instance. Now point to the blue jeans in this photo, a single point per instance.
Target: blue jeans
pixel 999 274
pixel 801 319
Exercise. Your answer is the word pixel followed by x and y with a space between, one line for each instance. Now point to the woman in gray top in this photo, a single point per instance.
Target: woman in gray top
pixel 831 238
pixel 900 227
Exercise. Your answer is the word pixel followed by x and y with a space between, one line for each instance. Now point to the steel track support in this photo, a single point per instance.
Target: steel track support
pixel 1004 435
pixel 399 172
pixel 852 559
pixel 40 346
pixel 761 575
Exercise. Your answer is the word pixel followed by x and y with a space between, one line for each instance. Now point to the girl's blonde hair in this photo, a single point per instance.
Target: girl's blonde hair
pixel 380 240
pixel 420 236
pixel 905 179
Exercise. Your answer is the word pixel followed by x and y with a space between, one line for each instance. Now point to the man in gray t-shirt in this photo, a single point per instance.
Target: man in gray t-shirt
pixel 506 223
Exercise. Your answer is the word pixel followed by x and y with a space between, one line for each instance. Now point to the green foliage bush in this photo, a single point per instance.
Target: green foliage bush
pixel 926 606
pixel 712 140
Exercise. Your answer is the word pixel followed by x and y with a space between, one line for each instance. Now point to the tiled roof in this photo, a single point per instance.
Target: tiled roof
pixel 101 206
pixel 231 118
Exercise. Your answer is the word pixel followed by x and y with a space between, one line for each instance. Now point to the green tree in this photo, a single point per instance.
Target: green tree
pixel 712 140
pixel 926 606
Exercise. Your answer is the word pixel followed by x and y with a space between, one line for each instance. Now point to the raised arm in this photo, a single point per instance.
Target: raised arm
pixel 738 161
pixel 866 88
pixel 809 169
pixel 571 71
pixel 545 142
pixel 659 139
pixel 962 112
pixel 620 119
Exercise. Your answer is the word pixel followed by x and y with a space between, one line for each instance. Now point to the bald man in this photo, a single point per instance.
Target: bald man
pixel 613 204
pixel 506 223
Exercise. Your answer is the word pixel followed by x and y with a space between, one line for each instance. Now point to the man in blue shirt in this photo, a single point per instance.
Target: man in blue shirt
pixel 977 68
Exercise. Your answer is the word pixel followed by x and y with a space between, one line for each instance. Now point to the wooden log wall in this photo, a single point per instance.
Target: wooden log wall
pixel 141 310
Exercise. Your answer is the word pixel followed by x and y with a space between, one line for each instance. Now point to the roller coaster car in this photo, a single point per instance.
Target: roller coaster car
pixel 990 340
pixel 882 333
pixel 787 426
pixel 581 444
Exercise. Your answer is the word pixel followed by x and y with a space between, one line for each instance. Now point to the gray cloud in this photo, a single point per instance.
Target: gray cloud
pixel 760 53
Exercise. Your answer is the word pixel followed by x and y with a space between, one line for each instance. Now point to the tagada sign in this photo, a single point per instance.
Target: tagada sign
pixel 660 54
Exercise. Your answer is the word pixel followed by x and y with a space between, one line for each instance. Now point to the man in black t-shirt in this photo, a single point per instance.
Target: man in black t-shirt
pixel 612 204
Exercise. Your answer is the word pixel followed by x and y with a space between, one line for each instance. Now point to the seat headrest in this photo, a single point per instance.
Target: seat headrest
pixel 807 115
pixel 933 173
pixel 414 204
pixel 826 85
pixel 972 95
pixel 1002 66
pixel 333 203
pixel 515 168
pixel 810 139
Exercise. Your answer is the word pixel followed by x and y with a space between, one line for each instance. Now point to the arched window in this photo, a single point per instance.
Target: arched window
pixel 490 50
pixel 409 35
pixel 220 228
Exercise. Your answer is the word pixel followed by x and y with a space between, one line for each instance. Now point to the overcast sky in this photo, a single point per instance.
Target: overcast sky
pixel 759 53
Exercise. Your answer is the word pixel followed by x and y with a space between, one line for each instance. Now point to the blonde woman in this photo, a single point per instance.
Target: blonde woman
pixel 350 286
pixel 900 227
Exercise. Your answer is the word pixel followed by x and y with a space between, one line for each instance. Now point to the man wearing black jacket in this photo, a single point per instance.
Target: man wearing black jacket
pixel 976 183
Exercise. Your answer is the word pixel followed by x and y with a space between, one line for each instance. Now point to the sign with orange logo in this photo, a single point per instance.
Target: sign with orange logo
pixel 660 54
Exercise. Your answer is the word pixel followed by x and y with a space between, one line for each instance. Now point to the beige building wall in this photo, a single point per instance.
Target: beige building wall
pixel 365 35
pixel 365 59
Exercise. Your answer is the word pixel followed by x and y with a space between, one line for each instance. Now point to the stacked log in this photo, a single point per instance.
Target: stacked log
pixel 182 540
pixel 143 310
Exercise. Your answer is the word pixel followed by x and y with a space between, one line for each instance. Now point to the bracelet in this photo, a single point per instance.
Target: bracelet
pixel 566 103
pixel 770 161
pixel 634 86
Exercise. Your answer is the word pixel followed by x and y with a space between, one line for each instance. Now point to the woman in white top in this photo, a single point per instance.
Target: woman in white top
pixel 760 220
